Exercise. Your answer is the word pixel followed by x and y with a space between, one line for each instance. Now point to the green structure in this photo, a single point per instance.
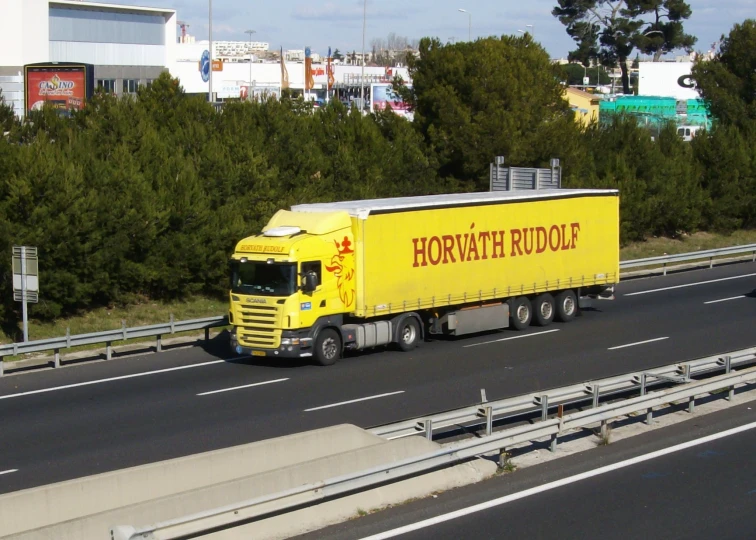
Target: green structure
pixel 654 111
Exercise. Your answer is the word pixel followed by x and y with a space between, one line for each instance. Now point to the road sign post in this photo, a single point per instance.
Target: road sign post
pixel 25 280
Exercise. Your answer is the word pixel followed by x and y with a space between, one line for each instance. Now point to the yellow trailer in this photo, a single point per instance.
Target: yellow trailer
pixel 323 278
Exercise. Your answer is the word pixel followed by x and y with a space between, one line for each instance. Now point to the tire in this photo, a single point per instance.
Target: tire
pixel 409 335
pixel 522 313
pixel 544 309
pixel 327 347
pixel 566 306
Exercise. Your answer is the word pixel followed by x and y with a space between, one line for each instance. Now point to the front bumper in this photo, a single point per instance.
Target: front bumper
pixel 293 345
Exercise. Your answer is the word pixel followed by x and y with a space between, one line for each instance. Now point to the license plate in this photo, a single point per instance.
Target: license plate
pixel 258 353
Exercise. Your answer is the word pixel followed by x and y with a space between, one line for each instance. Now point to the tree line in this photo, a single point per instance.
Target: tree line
pixel 144 198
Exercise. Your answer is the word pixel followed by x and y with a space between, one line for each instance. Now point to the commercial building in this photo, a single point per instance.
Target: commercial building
pixel 127 45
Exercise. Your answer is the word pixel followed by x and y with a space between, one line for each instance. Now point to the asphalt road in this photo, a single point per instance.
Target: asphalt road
pixel 91 418
pixel 702 491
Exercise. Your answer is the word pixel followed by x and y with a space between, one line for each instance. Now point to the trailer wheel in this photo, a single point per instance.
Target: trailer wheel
pixel 521 313
pixel 543 309
pixel 409 334
pixel 566 306
pixel 327 347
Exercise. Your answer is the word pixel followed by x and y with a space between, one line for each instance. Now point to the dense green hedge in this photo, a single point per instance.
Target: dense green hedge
pixel 145 198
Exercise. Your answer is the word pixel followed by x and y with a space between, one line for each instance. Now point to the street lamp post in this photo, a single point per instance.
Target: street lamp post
pixel 532 29
pixel 469 23
pixel 210 36
pixel 249 88
pixel 362 76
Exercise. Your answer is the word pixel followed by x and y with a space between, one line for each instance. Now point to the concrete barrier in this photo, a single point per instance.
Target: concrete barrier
pixel 37 508
pixel 304 468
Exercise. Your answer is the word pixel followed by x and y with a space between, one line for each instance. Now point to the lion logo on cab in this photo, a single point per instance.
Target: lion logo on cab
pixel 342 266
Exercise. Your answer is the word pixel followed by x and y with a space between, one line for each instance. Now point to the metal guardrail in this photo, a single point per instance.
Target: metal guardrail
pixel 172 327
pixel 109 336
pixel 494 411
pixel 456 452
pixel 710 254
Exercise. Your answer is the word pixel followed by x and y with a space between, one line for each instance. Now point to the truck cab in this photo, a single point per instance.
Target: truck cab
pixel 290 280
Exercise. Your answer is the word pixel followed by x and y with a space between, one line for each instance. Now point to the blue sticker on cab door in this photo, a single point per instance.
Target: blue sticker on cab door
pixel 306 306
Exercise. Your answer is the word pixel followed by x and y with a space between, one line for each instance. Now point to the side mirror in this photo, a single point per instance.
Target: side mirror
pixel 309 282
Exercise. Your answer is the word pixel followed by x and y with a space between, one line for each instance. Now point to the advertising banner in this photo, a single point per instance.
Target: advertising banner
pixel 62 86
pixel 667 79
pixel 309 81
pixel 382 96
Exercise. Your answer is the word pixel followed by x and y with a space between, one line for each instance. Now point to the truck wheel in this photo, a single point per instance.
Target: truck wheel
pixel 327 347
pixel 543 309
pixel 522 313
pixel 409 334
pixel 566 306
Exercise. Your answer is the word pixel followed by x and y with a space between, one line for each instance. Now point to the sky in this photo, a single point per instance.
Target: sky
pixel 294 24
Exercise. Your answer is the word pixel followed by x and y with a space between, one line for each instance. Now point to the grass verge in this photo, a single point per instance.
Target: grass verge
pixel 102 319
pixel 701 241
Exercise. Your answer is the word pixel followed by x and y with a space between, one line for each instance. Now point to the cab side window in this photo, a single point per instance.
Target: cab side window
pixel 313 266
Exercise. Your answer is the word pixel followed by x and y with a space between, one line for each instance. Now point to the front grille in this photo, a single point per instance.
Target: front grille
pixel 258 326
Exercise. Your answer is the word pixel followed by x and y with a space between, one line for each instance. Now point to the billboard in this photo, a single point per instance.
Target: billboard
pixel 667 79
pixel 382 96
pixel 63 85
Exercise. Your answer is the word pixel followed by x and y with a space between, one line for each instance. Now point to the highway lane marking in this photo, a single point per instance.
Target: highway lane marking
pixel 111 379
pixel 637 343
pixel 688 285
pixel 353 401
pixel 241 387
pixel 556 484
pixel 725 299
pixel 8 471
pixel 513 337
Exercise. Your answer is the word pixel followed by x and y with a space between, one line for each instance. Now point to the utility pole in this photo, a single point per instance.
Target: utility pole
pixel 469 23
pixel 362 77
pixel 249 88
pixel 210 35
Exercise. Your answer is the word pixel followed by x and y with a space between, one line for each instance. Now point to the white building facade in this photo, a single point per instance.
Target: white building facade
pixel 129 46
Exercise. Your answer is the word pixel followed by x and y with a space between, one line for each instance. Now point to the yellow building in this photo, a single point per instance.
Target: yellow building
pixel 585 105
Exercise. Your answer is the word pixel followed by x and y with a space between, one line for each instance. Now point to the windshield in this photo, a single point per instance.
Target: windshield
pixel 263 279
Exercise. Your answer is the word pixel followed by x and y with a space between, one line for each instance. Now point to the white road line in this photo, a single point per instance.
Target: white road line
pixel 241 387
pixel 556 484
pixel 513 337
pixel 688 285
pixel 111 379
pixel 8 471
pixel 353 401
pixel 725 299
pixel 637 343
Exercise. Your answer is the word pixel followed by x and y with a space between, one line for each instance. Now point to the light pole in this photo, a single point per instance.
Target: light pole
pixel 362 76
pixel 210 35
pixel 532 29
pixel 249 88
pixel 469 23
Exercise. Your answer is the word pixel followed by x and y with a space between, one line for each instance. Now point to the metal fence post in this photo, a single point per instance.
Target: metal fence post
pixel 2 368
pixel 159 346
pixel 489 420
pixel 428 424
pixel 728 369
pixel 57 358
pixel 544 407
pixel 650 410
pixel 172 324
pixel 207 334
pixel 108 350
pixel 596 393
pixel 691 404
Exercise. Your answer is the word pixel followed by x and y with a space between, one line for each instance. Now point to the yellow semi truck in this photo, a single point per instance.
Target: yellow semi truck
pixel 324 278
